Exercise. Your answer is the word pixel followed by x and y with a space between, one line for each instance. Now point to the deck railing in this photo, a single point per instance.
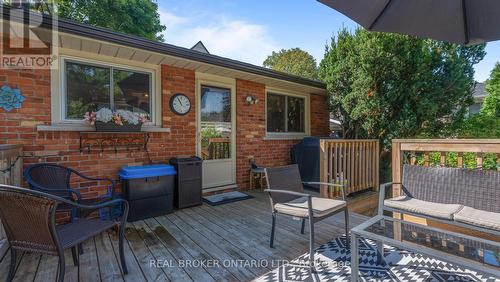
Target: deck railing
pixel 466 153
pixel 10 173
pixel 352 162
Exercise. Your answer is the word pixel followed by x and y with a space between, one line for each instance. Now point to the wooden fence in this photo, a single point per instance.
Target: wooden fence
pixel 11 166
pixel 353 162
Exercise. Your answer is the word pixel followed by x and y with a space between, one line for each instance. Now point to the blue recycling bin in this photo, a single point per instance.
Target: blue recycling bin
pixel 149 190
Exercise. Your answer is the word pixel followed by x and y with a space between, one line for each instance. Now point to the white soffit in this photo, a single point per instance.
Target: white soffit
pixel 93 46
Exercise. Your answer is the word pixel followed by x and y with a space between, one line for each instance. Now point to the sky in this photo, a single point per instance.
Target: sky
pixel 249 30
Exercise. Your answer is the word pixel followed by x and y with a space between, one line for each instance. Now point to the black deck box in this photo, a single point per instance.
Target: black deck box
pixel 149 190
pixel 188 181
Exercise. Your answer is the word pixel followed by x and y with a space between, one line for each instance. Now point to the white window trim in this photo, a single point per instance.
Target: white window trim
pixel 58 85
pixel 289 135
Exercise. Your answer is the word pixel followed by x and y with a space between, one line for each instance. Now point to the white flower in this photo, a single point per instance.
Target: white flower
pixel 128 116
pixel 104 115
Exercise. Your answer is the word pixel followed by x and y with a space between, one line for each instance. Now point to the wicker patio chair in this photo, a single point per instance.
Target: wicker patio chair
pixel 287 197
pixel 56 180
pixel 28 217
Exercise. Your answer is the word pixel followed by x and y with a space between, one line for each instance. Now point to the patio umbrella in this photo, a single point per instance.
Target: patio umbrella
pixel 459 21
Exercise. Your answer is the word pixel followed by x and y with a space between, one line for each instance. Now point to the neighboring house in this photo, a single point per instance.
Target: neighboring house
pixel 336 129
pixel 479 96
pixel 200 47
pixel 255 111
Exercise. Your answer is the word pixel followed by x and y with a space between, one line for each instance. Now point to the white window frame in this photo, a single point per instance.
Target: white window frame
pixel 289 135
pixel 59 84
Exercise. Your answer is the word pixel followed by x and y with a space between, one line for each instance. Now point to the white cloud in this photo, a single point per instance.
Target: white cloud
pixel 171 20
pixel 235 39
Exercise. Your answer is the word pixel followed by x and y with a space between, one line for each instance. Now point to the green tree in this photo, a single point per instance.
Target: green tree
pixel 389 86
pixel 293 61
pixel 491 105
pixel 486 124
pixel 136 17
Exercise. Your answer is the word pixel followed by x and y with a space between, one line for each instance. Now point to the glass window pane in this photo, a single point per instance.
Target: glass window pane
pixel 132 91
pixel 276 115
pixel 215 124
pixel 295 114
pixel 87 89
pixel 215 104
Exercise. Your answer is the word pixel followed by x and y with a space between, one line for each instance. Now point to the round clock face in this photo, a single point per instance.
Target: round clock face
pixel 180 104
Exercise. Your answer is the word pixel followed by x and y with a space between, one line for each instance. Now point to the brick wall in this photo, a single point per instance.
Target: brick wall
pixel 320 115
pixel 183 128
pixel 251 130
pixel 19 127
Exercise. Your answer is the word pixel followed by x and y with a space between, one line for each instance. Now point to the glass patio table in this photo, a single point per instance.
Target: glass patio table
pixel 471 252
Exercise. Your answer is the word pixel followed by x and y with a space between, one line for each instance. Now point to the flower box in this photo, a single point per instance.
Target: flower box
pixel 107 120
pixel 113 127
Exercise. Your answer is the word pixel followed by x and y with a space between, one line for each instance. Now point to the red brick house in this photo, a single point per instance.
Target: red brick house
pixel 98 67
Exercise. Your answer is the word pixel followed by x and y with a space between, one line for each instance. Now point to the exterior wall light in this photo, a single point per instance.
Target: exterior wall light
pixel 251 100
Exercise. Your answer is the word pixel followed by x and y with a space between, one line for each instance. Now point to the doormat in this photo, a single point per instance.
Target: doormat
pixel 224 198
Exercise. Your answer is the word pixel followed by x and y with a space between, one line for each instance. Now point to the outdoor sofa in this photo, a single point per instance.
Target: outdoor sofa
pixel 461 197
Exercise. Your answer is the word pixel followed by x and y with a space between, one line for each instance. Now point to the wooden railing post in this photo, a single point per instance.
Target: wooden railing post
pixel 323 167
pixel 396 167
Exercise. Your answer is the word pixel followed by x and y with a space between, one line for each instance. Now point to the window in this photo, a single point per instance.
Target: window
pixel 285 113
pixel 92 87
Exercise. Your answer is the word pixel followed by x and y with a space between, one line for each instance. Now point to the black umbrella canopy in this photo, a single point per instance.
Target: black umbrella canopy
pixel 459 21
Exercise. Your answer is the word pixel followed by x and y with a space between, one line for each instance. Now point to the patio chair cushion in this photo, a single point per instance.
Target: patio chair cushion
pixel 321 207
pixel 413 205
pixel 485 219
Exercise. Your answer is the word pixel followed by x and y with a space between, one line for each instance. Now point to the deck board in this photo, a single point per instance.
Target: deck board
pixel 108 263
pixel 27 270
pixel 134 269
pixel 195 251
pixel 178 252
pixel 89 262
pixel 160 252
pixel 229 232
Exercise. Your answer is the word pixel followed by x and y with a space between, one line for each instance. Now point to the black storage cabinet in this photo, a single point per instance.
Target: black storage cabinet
pixel 188 181
pixel 148 189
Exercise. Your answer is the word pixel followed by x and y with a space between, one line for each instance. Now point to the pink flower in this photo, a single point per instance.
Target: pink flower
pixel 142 119
pixel 118 120
pixel 90 117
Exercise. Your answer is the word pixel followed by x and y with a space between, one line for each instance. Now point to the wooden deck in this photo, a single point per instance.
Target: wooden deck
pixel 230 235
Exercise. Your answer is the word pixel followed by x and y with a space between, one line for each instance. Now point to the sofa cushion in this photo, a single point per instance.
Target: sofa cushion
pixel 479 218
pixel 298 207
pixel 405 203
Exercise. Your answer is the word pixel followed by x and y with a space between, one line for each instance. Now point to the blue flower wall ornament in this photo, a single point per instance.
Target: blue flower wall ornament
pixel 10 98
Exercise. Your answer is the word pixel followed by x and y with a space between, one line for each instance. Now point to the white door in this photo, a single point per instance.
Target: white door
pixel 216 135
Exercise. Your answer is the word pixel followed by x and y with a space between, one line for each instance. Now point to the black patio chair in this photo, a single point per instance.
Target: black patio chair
pixel 28 217
pixel 55 179
pixel 287 196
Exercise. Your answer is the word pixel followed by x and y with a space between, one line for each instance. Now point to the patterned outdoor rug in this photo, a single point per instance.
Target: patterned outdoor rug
pixel 399 265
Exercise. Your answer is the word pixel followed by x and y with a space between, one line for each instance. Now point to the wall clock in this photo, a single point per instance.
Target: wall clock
pixel 180 104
